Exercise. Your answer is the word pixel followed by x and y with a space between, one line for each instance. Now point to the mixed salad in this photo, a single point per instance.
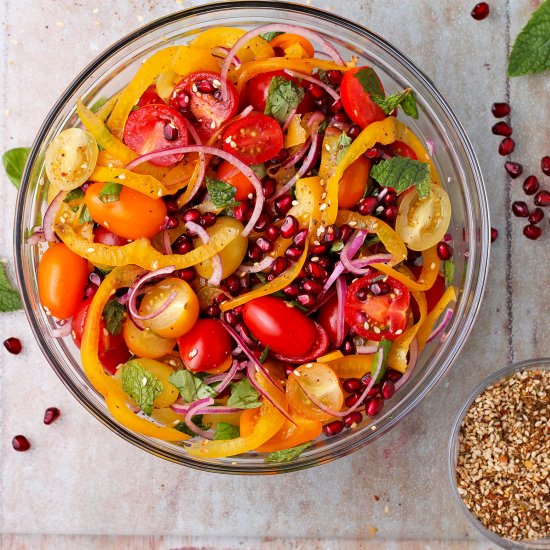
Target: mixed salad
pixel 246 243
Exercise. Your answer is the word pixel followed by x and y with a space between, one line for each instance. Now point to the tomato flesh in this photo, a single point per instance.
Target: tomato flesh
pixel 357 102
pixel 150 96
pixel 403 150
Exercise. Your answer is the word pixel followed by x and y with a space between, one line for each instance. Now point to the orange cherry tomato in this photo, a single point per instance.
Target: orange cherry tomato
pixel 231 175
pixel 132 216
pixel 288 39
pixel 62 277
pixel 353 183
pixel 146 343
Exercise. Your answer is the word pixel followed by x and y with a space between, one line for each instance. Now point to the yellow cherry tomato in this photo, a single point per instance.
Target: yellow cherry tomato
pixel 146 343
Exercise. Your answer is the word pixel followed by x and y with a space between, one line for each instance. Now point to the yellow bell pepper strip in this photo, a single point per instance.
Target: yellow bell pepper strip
pixel 296 134
pixel 109 161
pixel 180 175
pixel 352 366
pixel 189 60
pixel 107 108
pixel 143 183
pixel 383 131
pixel 269 288
pixel 389 238
pixel 308 194
pixel 331 356
pixel 427 327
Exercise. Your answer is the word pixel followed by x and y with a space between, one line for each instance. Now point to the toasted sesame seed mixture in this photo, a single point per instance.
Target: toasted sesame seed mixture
pixel 503 467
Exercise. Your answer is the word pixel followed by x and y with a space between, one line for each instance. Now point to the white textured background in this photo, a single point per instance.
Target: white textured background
pixel 81 479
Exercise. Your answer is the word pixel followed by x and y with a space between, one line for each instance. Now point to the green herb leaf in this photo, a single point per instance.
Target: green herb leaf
pixel 85 215
pixel 269 36
pixel 225 430
pixel 222 194
pixel 448 272
pixel 384 349
pixel 243 395
pixel 322 126
pixel 114 314
pixel 406 99
pixel 288 454
pixel 191 387
pixel 369 81
pixel 259 169
pixel 298 305
pixel 110 192
pixel 74 195
pixel 409 106
pixel 402 173
pixel 183 428
pixel 9 297
pixel 263 356
pixel 343 144
pixel 337 246
pixel 531 50
pixel 323 76
pixel 142 386
pixel 282 97
pixel 14 162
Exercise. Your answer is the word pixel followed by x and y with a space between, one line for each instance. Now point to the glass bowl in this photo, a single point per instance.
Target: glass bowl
pixel 531 364
pixel 453 156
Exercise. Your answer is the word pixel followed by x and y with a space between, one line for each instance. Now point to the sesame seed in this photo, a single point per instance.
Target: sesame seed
pixel 323 207
pixel 193 353
pixel 155 264
pixel 352 223
pixel 90 250
pixel 295 203
pixel 213 124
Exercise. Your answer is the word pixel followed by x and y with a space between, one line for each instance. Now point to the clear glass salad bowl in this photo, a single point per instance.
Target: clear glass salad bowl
pixel 453 155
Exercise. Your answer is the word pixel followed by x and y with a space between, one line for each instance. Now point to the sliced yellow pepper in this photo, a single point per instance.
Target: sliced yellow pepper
pixel 107 108
pixel 189 60
pixel 143 183
pixel 330 356
pixel 296 134
pixel 308 194
pixel 427 327
pixel 352 366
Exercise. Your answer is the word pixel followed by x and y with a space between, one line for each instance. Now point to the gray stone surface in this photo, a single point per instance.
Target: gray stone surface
pixel 79 478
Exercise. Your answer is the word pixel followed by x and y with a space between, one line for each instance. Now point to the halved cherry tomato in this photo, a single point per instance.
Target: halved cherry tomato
pixel 206 346
pixel 150 96
pixel 401 149
pixel 279 325
pixel 374 314
pixel 433 295
pixel 353 183
pixel 328 318
pixel 112 350
pixel 257 88
pixel 357 102
pixel 253 139
pixel 104 236
pixel 156 128
pixel 231 175
pixel 132 216
pixel 62 277
pixel 286 40
pixel 146 343
pixel 199 94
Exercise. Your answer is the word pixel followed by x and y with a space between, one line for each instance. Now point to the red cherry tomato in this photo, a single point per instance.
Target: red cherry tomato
pixel 112 350
pixel 62 277
pixel 104 236
pixel 376 315
pixel 257 88
pixel 156 128
pixel 279 325
pixel 403 150
pixel 199 94
pixel 233 176
pixel 206 346
pixel 433 295
pixel 328 318
pixel 357 103
pixel 254 139
pixel 150 96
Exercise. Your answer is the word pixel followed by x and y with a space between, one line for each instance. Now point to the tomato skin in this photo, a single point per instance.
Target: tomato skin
pixel 277 324
pixel 328 318
pixel 150 96
pixel 285 40
pixel 62 277
pixel 132 216
pixel 145 343
pixel 206 346
pixel 257 138
pixel 357 103
pixel 104 236
pixel 231 175
pixel 401 149
pixel 353 183
pixel 145 132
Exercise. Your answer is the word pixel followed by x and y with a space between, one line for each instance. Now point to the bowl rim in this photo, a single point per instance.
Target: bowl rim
pixel 452 452
pixel 478 188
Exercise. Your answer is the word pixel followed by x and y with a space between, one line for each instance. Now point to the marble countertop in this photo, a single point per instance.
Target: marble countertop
pixel 81 486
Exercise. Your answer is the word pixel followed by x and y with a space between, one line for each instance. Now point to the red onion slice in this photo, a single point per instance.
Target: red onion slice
pixel 217 268
pixel 256 267
pixel 331 91
pixel 36 237
pixel 341 288
pixel 288 119
pixel 441 326
pixel 430 146
pixel 166 245
pixel 180 408
pixel 230 375
pixel 295 158
pixel 366 350
pixel 195 408
pixel 351 248
pixel 336 272
pixel 413 359
pixel 64 328
pixel 202 161
pixel 50 215
pixel 221 52
pixel 221 377
pixel 171 297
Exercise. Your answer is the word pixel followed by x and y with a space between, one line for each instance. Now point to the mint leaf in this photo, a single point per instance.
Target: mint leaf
pixel 406 99
pixel 409 106
pixel 114 314
pixel 74 195
pixel 323 76
pixel 343 144
pixel 14 162
pixel 184 428
pixel 269 36
pixel 383 348
pixel 337 246
pixel 110 192
pixel 282 97
pixel 402 173
pixel 142 386
pixel 226 431
pixel 191 387
pixel 263 356
pixel 243 395
pixel 288 454
pixel 531 50
pixel 369 81
pixel 9 297
pixel 85 215
pixel 448 272
pixel 221 193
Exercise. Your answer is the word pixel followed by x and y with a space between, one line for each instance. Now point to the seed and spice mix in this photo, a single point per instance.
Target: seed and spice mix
pixel 503 468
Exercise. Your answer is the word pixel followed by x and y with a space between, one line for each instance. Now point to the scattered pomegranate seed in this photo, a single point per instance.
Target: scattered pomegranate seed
pixel 334 77
pixel 171 222
pixel 264 244
pixel 444 251
pixel 545 165
pixel 542 198
pixel 188 274
pixel 300 238
pixel 506 147
pixel 520 209
pixel 345 232
pixel 374 406
pixel 351 385
pixel 312 287
pixel 208 219
pixel 272 232
pixel 536 216
pixel 279 265
pixel 306 300
pixel 393 375
pixel 289 227
pixel 333 428
pixel 391 213
pixel 500 110
pixel 241 212
pixel 13 345
pixel 20 443
pixel 380 288
pixel 367 206
pixel 494 234
pixel 514 169
pixel 52 414
pixel 530 185
pixel 291 290
pixel 231 318
pixel 170 132
pixel 502 129
pixel 388 389
pixel 354 131
pixel 182 245
pixel 205 87
pixel 283 204
pixel 353 419
pixel 480 11
pixel 351 399
pixel 212 311
pixel 532 232
pixel 192 215
pixel 293 253
pixel 348 347
pixel 255 253
pixel 263 221
pixel 389 199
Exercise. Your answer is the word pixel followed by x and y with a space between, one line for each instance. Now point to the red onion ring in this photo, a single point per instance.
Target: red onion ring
pixel 36 237
pixel 221 377
pixel 246 170
pixel 257 267
pixel 294 159
pixel 441 326
pixel 351 248
pixel 196 407
pixel 166 245
pixel 288 119
pixel 202 160
pixel 366 350
pixel 217 268
pixel 413 358
pixel 64 328
pixel 50 215
pixel 221 52
pixel 335 95
pixel 180 408
pixel 336 272
pixel 340 324
pixel 353 245
pixel 230 375
pixel 430 146
pixel 171 297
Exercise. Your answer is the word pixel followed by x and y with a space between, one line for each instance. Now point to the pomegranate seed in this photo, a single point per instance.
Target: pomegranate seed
pixel 316 91
pixel 318 249
pixel 354 131
pixel 206 87
pixel 231 318
pixel 545 165
pixel 520 209
pixel 283 204
pixel 212 311
pixel 269 186
pixel 182 245
pixel 264 244
pixel 20 443
pixel 506 147
pixel 345 232
pixel 290 227
pixel 536 216
pixel 480 11
pixel 300 238
pixel 171 206
pixel 502 129
pixel 542 198
pixel 362 294
pixel 367 206
pixel 291 290
pixel 255 253
pixel 390 198
pixel 293 253
pixel 351 385
pixel 388 389
pixel 333 428
pixel 380 288
pixel 272 232
pixel 514 169
pixel 279 265
pixel 532 232
pixel 391 213
pixel 352 419
pixel 325 262
pixel 334 77
pixel 192 215
pixel 312 287
pixel 352 398
pixel 51 415
pixel 336 106
pixel 494 234
pixel 392 375
pixel 90 290
pixel 188 274
pixel 374 153
pixel 171 222
pixel 183 100
pixel 306 300
pixel 241 212
pixel 444 251
pixel 281 156
pixel 348 347
pixel 263 221
pixel 233 284
pixel 316 271
pixel 340 117
pixel 374 406
pixel 500 110
pixel 331 234
pixel 245 283
pixel 170 132
pixel 530 185
pixel 208 219
pixel 13 345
